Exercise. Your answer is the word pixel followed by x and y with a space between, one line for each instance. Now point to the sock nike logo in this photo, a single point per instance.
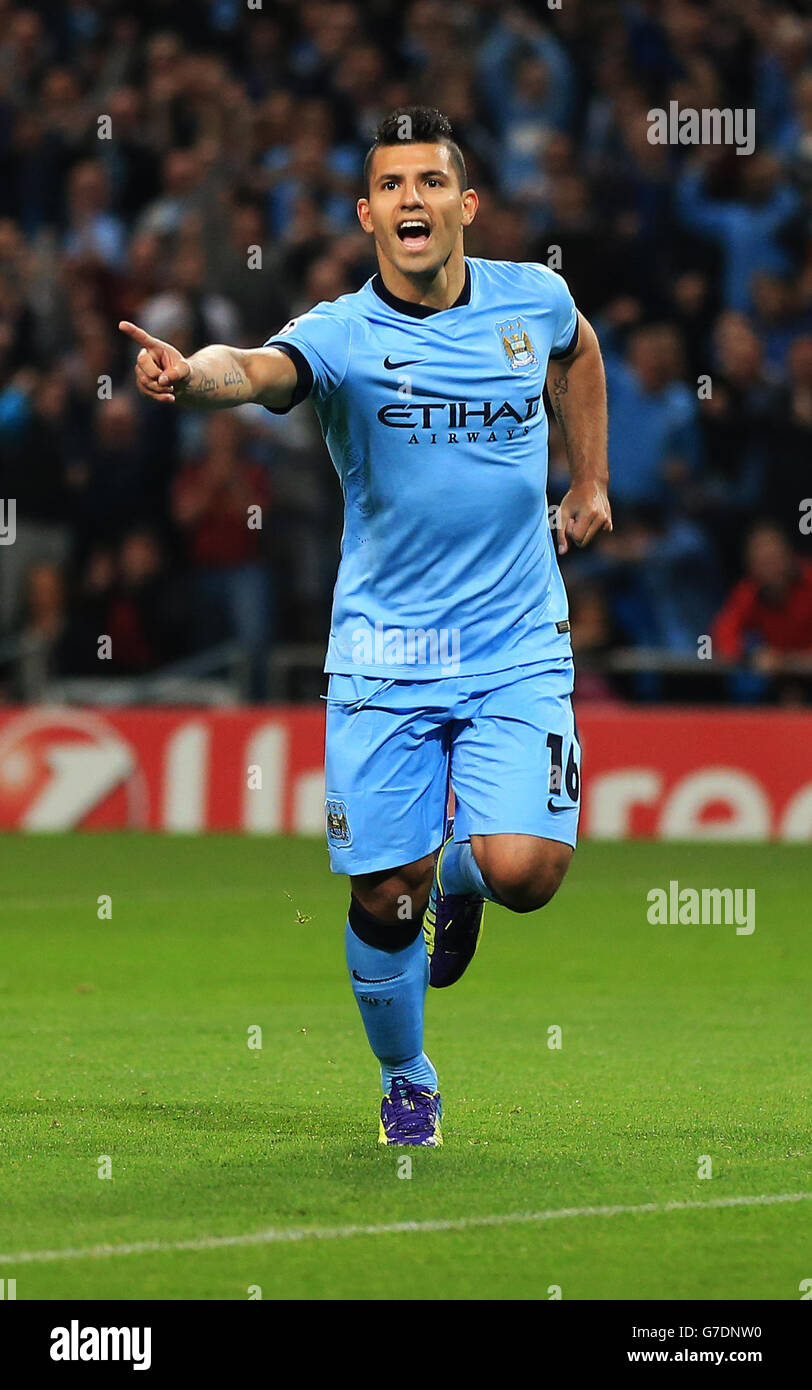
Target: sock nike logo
pixel 385 981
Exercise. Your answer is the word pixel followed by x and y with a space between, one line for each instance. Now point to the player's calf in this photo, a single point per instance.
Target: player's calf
pixel 389 974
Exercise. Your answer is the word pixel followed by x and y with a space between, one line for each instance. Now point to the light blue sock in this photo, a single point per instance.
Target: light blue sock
pixel 390 990
pixel 460 873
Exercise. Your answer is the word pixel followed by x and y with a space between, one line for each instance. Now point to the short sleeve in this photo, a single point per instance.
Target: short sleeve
pixel 318 344
pixel 565 314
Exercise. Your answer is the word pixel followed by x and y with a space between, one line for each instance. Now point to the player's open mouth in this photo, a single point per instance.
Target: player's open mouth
pixel 414 233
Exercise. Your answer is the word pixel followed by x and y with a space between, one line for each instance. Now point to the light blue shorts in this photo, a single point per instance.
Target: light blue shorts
pixel 506 743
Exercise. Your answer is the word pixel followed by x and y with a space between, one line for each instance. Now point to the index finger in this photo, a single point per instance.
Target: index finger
pixel 561 518
pixel 139 335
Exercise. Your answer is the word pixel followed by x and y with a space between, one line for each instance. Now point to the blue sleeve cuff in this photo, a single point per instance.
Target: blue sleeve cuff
pixel 571 345
pixel 304 376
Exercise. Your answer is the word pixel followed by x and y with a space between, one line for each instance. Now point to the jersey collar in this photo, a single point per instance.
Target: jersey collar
pixel 420 311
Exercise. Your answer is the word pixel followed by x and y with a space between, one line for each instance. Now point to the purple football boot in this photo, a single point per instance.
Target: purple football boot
pixel 452 926
pixel 411 1114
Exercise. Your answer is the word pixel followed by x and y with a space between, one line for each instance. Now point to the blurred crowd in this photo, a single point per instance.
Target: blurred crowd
pixel 195 168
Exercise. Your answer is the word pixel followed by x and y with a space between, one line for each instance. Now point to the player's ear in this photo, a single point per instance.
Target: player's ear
pixel 470 204
pixel 362 208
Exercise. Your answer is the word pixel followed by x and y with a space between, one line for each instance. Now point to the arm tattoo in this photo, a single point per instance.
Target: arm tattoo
pixel 560 388
pixel 222 384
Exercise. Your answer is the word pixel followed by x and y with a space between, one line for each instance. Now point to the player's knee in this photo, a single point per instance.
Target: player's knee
pixel 526 879
pixel 525 893
pixel 395 895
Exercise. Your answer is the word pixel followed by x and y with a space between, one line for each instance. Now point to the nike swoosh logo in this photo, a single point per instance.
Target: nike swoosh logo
pixel 393 366
pixel 556 809
pixel 385 981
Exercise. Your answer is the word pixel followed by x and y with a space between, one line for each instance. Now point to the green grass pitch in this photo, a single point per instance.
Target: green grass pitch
pixel 128 1038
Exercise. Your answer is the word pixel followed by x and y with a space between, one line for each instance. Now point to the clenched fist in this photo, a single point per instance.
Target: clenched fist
pixel 583 513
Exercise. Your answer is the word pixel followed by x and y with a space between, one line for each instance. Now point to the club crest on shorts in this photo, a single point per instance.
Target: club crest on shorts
pixel 516 343
pixel 338 826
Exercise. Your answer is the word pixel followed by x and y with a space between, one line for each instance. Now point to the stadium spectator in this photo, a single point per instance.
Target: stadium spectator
pixel 94 234
pixel 117 483
pixel 783 312
pixel 143 620
pixel 528 84
pixel 661 579
pixel 768 615
pixel 307 166
pixel 748 228
pixel 244 270
pixel 130 161
pixel 654 442
pixel 738 423
pixel 693 309
pixel 181 197
pixel 45 620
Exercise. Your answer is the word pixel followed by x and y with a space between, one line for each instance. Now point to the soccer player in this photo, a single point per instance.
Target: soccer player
pixel 449 653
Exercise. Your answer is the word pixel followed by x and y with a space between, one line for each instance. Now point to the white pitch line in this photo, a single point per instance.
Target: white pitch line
pixel 275 1236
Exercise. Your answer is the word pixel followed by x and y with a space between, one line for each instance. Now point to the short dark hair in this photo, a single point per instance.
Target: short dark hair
pixel 416 125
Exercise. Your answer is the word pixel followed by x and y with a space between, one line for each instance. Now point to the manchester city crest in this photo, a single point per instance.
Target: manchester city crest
pixel 516 344
pixel 338 826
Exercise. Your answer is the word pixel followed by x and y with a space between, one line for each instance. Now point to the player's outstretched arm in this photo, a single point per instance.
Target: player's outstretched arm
pixel 577 389
pixel 214 378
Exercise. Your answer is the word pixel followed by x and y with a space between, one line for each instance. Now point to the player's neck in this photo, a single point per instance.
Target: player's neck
pixel 438 292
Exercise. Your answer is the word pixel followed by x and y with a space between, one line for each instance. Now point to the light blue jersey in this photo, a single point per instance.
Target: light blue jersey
pixel 435 424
